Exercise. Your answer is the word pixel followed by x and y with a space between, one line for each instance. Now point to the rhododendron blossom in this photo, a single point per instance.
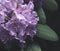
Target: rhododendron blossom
pixel 18 18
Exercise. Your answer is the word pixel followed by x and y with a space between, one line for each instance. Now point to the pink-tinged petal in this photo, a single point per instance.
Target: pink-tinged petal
pixel 20 1
pixel 30 5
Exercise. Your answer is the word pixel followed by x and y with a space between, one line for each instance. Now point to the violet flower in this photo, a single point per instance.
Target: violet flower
pixel 18 18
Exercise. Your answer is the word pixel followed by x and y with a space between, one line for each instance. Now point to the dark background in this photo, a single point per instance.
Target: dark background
pixel 53 20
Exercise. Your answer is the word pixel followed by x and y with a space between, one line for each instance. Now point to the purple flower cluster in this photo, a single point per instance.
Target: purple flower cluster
pixel 18 18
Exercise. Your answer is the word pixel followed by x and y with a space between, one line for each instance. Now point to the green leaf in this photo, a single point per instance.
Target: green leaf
pixel 33 47
pixel 51 5
pixel 45 32
pixel 42 16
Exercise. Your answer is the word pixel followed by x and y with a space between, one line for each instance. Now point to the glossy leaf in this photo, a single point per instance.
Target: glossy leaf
pixel 45 32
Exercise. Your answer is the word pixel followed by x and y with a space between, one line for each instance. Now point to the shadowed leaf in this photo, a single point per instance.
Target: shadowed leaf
pixel 45 32
pixel 33 47
pixel 51 5
pixel 42 16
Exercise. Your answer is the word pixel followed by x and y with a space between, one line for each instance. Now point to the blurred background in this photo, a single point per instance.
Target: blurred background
pixel 53 20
